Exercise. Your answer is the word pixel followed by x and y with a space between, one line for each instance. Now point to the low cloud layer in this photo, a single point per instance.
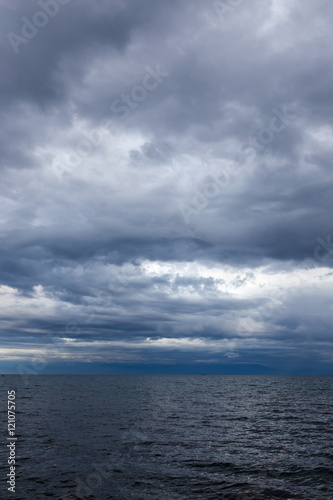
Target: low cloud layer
pixel 166 186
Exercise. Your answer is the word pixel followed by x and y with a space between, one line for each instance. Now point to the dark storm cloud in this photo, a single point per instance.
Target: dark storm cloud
pixel 79 28
pixel 117 115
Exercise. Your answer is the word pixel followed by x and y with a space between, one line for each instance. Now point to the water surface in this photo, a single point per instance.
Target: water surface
pixel 171 437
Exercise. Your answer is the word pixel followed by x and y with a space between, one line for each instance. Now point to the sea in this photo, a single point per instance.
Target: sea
pixel 169 437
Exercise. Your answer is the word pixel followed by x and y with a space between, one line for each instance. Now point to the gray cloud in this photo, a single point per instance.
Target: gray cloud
pixel 93 199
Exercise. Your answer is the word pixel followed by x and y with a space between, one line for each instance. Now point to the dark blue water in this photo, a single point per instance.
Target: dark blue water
pixel 170 437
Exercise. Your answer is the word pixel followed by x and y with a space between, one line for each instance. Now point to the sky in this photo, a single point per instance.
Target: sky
pixel 166 186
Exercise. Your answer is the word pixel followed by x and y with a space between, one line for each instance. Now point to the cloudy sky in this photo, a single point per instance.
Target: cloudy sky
pixel 166 186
